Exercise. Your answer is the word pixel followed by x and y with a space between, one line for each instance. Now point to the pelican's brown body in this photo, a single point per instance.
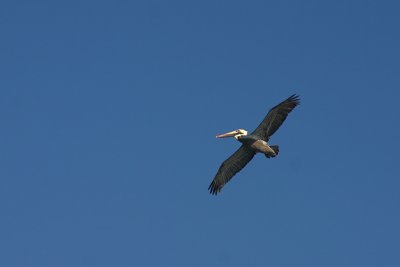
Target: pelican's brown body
pixel 259 145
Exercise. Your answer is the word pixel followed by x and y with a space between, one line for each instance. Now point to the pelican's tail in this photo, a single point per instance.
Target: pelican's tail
pixel 275 149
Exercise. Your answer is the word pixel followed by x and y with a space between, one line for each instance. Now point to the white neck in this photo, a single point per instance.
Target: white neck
pixel 239 135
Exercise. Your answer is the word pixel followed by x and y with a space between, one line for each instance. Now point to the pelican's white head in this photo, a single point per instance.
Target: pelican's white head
pixel 236 133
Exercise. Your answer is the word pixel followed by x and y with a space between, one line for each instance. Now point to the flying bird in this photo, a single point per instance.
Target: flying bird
pixel 256 142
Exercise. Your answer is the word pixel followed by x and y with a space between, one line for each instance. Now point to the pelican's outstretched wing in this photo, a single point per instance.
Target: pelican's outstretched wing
pixel 230 167
pixel 275 117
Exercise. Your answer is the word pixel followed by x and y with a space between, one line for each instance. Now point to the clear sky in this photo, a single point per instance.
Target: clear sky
pixel 109 111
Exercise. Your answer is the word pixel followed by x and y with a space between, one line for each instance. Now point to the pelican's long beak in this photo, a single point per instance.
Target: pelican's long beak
pixel 228 134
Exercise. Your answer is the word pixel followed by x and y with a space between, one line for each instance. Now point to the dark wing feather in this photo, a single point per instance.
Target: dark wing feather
pixel 230 167
pixel 275 117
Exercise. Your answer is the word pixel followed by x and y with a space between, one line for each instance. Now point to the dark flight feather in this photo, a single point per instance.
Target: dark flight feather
pixel 275 117
pixel 230 167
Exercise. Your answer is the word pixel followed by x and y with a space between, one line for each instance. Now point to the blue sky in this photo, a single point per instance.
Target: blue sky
pixel 109 111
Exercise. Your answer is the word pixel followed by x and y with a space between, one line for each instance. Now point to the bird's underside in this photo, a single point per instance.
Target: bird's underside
pixel 254 143
pixel 258 145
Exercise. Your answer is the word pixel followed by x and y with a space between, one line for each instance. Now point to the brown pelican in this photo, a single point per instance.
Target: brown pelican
pixel 254 143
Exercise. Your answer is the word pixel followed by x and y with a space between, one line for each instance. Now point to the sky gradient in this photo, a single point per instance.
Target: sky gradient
pixel 109 111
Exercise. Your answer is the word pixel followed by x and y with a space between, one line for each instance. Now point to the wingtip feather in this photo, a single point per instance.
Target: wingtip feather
pixel 294 98
pixel 213 188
